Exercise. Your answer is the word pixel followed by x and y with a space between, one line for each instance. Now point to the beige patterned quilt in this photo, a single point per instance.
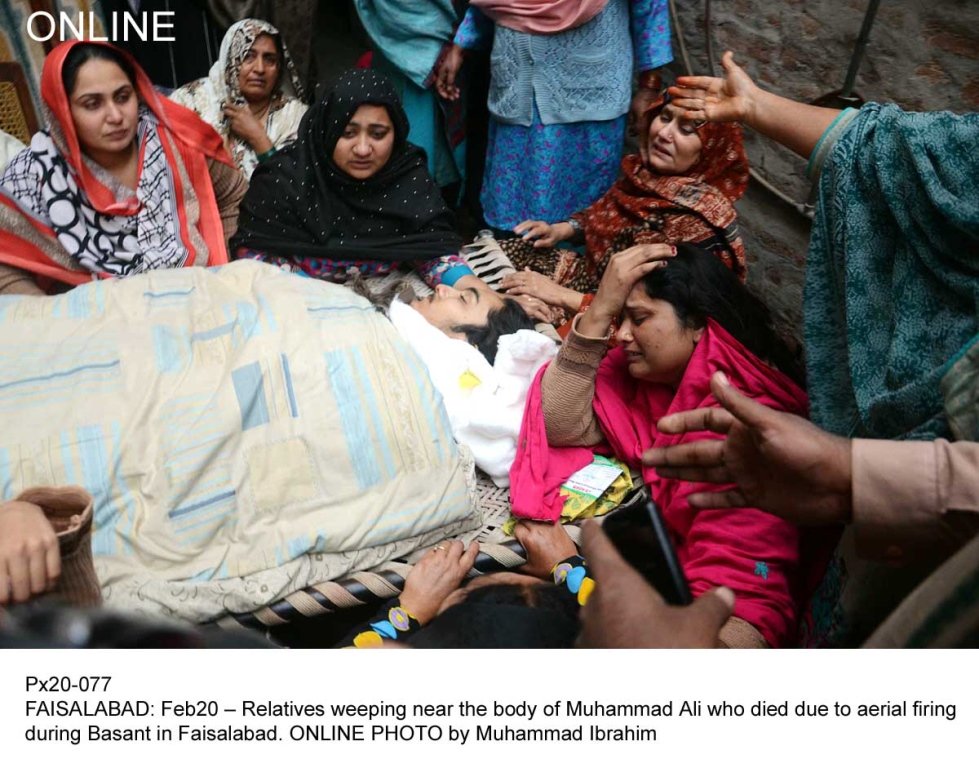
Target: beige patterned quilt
pixel 245 432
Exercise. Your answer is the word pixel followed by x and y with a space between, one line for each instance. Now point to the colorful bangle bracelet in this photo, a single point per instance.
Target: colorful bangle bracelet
pixel 572 572
pixel 398 625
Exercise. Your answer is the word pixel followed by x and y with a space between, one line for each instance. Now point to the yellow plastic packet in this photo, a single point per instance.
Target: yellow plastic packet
pixel 594 490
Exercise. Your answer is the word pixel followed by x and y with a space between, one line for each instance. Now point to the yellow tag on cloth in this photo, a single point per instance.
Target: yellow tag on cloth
pixel 468 380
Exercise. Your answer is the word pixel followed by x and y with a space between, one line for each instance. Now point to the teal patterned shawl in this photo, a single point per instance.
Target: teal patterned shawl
pixel 892 283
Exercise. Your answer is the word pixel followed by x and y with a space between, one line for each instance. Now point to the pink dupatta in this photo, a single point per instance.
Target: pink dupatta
pixel 756 554
pixel 541 17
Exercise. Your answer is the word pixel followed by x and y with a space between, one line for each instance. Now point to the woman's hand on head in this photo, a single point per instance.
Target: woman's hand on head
pixel 530 283
pixel 246 126
pixel 437 575
pixel 448 72
pixel 624 270
pixel 547 544
pixel 30 560
pixel 715 99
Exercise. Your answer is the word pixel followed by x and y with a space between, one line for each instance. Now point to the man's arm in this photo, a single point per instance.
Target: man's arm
pixel 902 497
pixel 912 498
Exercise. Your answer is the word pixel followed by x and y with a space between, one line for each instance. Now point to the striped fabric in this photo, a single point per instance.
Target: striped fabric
pixel 488 261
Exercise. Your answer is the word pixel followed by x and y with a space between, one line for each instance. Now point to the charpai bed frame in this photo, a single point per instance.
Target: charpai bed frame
pixel 497 552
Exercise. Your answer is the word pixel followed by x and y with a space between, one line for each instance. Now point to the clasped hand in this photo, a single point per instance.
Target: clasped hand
pixel 30 561
pixel 245 125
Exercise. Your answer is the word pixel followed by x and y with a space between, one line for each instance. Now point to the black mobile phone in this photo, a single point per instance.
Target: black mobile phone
pixel 639 533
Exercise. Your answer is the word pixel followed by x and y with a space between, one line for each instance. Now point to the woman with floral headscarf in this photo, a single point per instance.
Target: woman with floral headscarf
pixel 252 96
pixel 680 188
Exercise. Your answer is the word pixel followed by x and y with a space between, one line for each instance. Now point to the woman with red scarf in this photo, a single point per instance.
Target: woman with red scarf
pixel 121 181
pixel 680 188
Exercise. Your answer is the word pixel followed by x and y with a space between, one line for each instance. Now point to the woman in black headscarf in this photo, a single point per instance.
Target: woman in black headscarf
pixel 351 193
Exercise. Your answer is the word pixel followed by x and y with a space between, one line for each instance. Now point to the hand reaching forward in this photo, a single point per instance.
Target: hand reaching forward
pixel 544 235
pixel 538 309
pixel 781 463
pixel 547 544
pixel 716 99
pixel 530 283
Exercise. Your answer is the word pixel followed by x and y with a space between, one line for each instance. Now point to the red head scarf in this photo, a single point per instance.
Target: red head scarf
pixel 695 207
pixel 192 136
pixel 29 242
pixel 723 163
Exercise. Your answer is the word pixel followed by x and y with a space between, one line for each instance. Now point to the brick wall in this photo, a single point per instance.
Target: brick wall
pixel 922 54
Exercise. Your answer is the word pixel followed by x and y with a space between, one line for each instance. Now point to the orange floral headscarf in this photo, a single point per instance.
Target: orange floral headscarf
pixel 698 207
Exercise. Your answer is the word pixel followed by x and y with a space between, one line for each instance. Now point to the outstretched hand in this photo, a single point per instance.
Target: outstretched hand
pixel 537 309
pixel 625 612
pixel 530 283
pixel 539 233
pixel 781 463
pixel 716 99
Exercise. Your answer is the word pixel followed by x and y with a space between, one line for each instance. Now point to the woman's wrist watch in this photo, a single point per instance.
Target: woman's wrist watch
pixel 575 226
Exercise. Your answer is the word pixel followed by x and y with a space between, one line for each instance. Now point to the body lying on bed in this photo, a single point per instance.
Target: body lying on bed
pixel 245 432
